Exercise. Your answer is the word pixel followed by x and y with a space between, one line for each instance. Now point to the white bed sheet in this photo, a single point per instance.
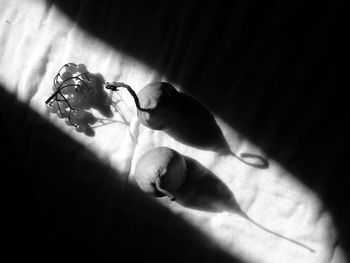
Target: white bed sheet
pixel 35 42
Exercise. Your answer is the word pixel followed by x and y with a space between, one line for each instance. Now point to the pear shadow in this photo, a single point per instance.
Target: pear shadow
pixel 204 191
pixel 196 127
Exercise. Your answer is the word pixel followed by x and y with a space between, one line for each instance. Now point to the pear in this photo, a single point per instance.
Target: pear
pixel 158 105
pixel 161 107
pixel 160 172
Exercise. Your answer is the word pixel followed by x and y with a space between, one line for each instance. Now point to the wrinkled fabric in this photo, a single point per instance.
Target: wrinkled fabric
pixel 38 37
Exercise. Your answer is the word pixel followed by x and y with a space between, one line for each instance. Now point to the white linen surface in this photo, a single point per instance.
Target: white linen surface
pixel 35 42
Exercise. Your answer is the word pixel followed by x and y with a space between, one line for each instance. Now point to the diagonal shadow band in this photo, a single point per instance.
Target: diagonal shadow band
pixel 278 80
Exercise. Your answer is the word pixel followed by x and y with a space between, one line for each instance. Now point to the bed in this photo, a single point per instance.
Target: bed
pixel 76 189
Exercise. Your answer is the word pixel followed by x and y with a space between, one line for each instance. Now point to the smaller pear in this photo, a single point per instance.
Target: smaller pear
pixel 161 172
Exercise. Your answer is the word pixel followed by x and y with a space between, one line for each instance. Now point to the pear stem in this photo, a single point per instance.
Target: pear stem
pixel 114 87
pixel 163 191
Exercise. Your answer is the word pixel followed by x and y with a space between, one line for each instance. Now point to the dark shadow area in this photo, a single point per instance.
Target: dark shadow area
pixel 273 71
pixel 203 190
pixel 196 126
pixel 61 204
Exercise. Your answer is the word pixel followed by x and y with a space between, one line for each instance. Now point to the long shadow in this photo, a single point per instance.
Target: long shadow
pixel 61 203
pixel 196 126
pixel 203 190
pixel 273 71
